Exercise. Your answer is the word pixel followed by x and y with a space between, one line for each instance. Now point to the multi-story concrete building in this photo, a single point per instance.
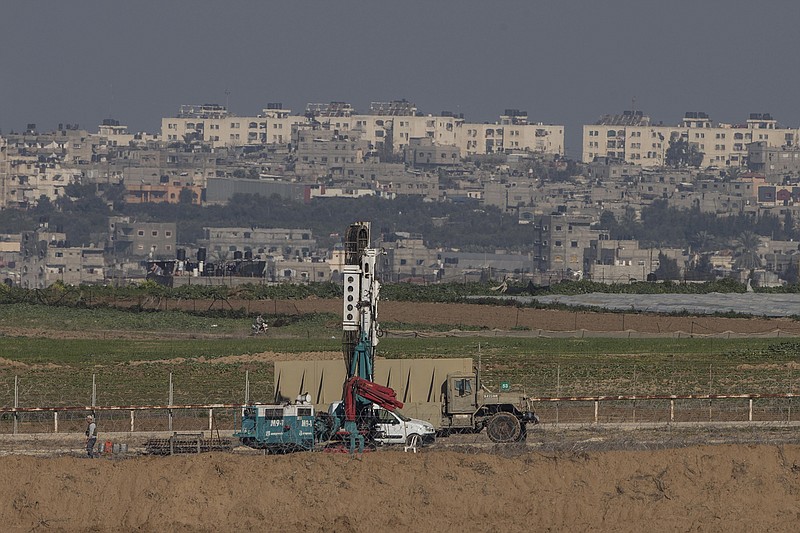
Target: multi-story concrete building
pixel 631 137
pixel 213 123
pixel 561 241
pixel 425 154
pixel 129 239
pixel 407 258
pixel 29 177
pixel 513 132
pixel 775 163
pixel 386 125
pixel 230 243
pixel 113 134
pixel 321 150
pixel 45 258
pixel 622 261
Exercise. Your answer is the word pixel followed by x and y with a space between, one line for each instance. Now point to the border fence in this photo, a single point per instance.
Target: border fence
pixel 561 404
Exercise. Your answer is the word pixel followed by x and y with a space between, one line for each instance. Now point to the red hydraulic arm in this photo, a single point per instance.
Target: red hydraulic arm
pixel 378 394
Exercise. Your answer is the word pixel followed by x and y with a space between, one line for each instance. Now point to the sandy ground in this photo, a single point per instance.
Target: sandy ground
pixel 699 488
pixel 580 479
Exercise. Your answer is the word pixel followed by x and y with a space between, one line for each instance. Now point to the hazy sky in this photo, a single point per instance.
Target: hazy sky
pixel 563 61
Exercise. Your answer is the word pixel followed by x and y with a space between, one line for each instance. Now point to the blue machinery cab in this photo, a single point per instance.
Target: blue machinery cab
pixel 278 428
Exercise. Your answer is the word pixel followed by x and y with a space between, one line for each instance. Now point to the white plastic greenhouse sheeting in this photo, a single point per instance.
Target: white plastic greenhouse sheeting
pixel 758 304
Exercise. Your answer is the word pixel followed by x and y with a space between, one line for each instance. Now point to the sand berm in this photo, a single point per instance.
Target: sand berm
pixel 702 488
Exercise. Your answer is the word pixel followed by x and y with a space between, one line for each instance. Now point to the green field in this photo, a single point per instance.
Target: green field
pixel 59 372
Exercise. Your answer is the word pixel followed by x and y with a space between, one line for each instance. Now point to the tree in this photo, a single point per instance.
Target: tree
pixel 681 154
pixel 703 241
pixel 187 196
pixel 701 268
pixel 667 268
pixel 747 251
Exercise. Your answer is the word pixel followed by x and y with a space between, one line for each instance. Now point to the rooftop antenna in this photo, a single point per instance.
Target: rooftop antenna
pixel 227 98
pixel 633 103
pixel 110 99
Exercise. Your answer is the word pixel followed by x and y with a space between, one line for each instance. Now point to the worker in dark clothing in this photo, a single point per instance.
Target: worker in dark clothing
pixel 91 435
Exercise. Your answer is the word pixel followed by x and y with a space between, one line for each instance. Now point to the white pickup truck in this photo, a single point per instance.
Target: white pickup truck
pixel 397 428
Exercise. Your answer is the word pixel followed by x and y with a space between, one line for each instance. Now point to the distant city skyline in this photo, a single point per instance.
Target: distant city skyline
pixel 566 63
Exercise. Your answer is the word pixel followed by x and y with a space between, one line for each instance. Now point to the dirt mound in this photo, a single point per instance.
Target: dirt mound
pixel 735 488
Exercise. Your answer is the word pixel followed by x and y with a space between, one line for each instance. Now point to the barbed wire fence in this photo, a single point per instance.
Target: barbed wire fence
pixel 623 389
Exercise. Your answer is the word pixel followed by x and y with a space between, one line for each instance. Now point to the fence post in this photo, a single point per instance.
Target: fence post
pixel 55 421
pixel 170 401
pixel 596 406
pixel 710 383
pixel 132 420
pixel 558 387
pixel 672 410
pixel 94 390
pixel 16 402
pixel 211 419
pixel 246 386
pixel 634 392
pixel 789 409
pixel 750 414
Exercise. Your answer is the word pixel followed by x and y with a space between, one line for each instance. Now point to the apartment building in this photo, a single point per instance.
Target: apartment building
pixel 622 261
pixel 129 239
pixel 45 258
pixel 214 124
pixel 425 154
pixel 113 134
pixel 407 258
pixel 512 132
pixel 389 180
pixel 632 138
pixel 776 163
pixel 230 243
pixel 29 177
pixel 561 241
pixel 387 124
pixel 320 150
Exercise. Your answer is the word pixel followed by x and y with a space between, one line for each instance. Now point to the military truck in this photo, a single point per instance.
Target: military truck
pixel 468 406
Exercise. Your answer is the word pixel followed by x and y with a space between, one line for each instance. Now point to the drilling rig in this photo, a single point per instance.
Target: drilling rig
pixel 360 336
pixel 292 427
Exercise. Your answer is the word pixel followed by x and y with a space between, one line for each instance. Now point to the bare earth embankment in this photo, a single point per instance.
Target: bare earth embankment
pixel 704 488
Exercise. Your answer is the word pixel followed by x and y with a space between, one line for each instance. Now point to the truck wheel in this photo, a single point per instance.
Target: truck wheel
pixel 503 427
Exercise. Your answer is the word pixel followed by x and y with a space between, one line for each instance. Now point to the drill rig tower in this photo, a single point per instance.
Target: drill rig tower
pixel 361 289
pixel 360 337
